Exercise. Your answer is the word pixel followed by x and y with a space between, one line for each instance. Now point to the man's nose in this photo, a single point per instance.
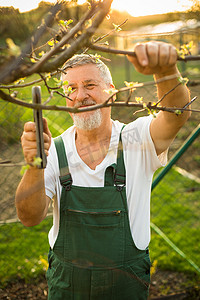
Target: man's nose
pixel 81 94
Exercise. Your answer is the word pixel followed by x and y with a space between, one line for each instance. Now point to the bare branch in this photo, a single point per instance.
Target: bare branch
pixel 150 106
pixel 10 164
pixel 109 33
pixel 132 53
pixel 17 86
pixel 64 41
pixel 171 90
pixel 19 66
pixel 82 41
pixel 193 99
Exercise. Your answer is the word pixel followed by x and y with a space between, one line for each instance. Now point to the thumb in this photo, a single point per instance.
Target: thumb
pixel 46 128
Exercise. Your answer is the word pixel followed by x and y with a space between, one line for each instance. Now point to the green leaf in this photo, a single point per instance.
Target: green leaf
pixel 69 90
pixel 37 161
pixel 57 80
pixel 51 43
pixel 111 91
pixel 178 112
pixel 24 169
pixel 183 80
pixel 13 49
pixel 139 99
pixel 66 22
pixel 88 23
pixel 117 27
pixel 129 84
pixel 41 53
pixel 97 57
pixel 62 22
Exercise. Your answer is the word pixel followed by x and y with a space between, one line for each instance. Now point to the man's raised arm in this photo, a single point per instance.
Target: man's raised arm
pixel 160 59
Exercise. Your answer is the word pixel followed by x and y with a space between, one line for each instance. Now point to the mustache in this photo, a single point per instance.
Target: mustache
pixel 85 103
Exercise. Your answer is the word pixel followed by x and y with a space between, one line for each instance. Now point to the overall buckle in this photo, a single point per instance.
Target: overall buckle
pixel 66 181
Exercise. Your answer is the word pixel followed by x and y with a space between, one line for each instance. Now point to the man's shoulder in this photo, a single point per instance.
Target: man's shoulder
pixel 139 122
pixel 136 131
pixel 68 132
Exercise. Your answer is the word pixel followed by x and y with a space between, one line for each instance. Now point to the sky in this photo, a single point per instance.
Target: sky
pixel 139 8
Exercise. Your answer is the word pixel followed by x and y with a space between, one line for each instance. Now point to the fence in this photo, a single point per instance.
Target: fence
pixel 166 199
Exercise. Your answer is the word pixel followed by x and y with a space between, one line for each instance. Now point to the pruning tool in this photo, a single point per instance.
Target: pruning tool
pixel 36 96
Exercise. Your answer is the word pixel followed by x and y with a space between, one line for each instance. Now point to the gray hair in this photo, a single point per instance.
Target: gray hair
pixel 84 59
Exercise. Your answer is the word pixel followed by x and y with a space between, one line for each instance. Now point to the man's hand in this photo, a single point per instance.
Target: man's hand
pixel 155 58
pixel 28 140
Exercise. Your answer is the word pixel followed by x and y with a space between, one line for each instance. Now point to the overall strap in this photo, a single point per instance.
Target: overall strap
pixel 65 176
pixel 116 174
pixel 120 173
pixel 109 175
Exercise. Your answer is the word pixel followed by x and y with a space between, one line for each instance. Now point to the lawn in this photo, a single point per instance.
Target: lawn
pixel 175 210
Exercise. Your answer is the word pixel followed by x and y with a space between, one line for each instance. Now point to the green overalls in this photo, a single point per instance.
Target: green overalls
pixel 94 256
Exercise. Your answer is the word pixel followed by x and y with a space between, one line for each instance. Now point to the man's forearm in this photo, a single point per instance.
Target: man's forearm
pixel 175 94
pixel 31 201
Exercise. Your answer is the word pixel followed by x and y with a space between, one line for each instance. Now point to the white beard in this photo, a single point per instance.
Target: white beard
pixel 91 121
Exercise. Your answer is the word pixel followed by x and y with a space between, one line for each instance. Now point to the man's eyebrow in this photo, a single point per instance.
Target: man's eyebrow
pixel 90 80
pixel 84 81
pixel 70 84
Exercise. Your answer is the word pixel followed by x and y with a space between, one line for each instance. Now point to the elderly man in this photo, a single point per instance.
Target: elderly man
pixel 100 176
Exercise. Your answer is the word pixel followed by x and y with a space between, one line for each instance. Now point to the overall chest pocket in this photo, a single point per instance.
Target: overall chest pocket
pixel 94 238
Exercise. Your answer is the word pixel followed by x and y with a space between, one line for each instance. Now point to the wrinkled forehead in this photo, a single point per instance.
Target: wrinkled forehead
pixel 86 72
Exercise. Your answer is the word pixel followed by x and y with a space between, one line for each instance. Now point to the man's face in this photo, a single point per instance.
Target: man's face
pixel 88 88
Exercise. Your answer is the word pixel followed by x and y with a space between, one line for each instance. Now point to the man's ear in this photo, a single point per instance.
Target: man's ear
pixel 113 87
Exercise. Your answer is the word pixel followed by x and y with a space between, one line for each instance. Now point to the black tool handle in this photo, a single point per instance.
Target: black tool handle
pixel 36 95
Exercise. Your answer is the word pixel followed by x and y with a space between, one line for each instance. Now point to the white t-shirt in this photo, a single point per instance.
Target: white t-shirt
pixel 140 159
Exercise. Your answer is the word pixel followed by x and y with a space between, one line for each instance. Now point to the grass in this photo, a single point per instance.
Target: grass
pixel 23 251
pixel 175 210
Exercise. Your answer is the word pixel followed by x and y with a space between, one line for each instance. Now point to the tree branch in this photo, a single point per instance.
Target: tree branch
pixel 23 68
pixel 19 67
pixel 78 27
pixel 82 41
pixel 132 53
pixel 150 106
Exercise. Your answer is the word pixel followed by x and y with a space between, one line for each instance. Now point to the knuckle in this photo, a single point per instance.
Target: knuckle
pixel 46 146
pixel 29 126
pixel 45 136
pixel 163 54
pixel 151 49
pixel 139 47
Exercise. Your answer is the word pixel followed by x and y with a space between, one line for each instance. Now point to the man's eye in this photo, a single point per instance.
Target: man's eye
pixel 90 85
pixel 72 89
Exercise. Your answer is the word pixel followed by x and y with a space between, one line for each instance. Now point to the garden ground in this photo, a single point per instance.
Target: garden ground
pixel 164 285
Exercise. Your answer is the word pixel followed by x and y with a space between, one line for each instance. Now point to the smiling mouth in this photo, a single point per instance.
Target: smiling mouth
pixel 86 105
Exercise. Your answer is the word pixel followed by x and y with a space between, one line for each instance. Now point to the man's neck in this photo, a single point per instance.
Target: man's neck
pixel 93 145
pixel 103 132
